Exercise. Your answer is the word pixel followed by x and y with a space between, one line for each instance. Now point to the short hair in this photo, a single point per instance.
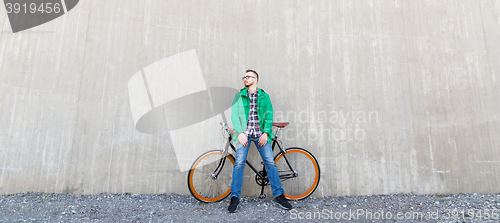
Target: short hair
pixel 255 72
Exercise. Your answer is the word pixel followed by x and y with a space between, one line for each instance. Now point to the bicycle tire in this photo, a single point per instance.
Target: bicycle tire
pixel 308 173
pixel 202 185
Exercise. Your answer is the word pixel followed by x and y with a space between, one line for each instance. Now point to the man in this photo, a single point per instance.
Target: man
pixel 252 118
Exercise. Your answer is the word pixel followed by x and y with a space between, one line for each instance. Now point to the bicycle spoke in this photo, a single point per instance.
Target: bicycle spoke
pixel 304 184
pixel 207 189
pixel 217 183
pixel 205 184
pixel 202 181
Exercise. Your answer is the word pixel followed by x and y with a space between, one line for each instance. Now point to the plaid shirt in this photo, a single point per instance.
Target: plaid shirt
pixel 253 127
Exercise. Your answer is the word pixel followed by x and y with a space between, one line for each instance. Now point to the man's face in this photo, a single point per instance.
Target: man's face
pixel 249 79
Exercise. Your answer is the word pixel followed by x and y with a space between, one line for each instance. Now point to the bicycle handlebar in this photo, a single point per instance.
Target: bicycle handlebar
pixel 228 129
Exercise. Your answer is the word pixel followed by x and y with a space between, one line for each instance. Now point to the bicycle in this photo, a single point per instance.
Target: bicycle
pixel 209 179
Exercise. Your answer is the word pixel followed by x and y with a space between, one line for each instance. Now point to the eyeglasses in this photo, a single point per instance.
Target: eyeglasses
pixel 246 77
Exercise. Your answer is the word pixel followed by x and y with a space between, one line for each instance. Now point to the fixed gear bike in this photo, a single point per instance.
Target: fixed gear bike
pixel 210 176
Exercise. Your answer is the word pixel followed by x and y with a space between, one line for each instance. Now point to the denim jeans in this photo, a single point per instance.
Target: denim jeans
pixel 266 153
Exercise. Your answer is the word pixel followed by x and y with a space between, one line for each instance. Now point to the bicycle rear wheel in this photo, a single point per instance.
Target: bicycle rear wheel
pixel 209 179
pixel 303 179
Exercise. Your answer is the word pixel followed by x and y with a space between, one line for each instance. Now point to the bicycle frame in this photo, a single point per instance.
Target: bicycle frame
pixel 275 142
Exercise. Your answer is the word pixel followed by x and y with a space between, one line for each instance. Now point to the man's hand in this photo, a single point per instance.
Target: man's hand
pixel 243 139
pixel 263 139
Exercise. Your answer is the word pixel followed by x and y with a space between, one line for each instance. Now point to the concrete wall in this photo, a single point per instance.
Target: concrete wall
pixel 391 96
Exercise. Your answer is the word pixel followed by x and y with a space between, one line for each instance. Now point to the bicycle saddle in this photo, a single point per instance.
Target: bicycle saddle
pixel 280 124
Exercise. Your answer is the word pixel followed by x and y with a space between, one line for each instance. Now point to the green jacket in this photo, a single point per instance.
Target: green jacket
pixel 241 108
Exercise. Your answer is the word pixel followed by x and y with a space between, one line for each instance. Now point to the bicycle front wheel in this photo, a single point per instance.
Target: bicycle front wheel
pixel 209 179
pixel 301 178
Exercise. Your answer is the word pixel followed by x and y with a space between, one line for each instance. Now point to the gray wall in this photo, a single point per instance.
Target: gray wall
pixel 391 96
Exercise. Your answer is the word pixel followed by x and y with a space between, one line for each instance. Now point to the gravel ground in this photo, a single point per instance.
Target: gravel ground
pixel 41 207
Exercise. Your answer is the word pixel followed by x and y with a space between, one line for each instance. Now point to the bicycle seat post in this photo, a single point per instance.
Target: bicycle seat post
pixel 277 133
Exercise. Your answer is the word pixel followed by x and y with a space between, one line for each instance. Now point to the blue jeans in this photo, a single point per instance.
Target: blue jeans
pixel 266 153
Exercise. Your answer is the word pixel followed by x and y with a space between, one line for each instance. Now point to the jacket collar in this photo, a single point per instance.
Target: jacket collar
pixel 244 91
